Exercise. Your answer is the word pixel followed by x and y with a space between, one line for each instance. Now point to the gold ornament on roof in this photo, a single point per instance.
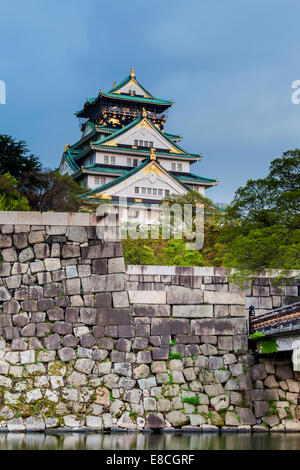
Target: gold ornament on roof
pixel 66 147
pixel 144 113
pixel 115 83
pixel 132 74
pixel 152 154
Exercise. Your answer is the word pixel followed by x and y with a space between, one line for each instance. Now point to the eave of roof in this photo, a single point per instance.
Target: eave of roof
pixel 117 180
pixel 193 177
pixel 134 98
pixel 134 123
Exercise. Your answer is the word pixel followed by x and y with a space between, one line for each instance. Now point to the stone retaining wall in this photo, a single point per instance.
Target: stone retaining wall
pixel 82 347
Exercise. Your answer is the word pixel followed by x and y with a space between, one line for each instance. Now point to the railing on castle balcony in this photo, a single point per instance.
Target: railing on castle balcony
pixel 288 315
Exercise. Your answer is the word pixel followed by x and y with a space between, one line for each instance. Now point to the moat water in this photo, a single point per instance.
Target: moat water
pixel 149 441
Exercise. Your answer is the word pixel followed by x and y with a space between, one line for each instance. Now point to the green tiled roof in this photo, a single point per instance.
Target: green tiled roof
pixel 193 177
pixel 117 180
pixel 132 124
pixel 133 98
pixel 126 80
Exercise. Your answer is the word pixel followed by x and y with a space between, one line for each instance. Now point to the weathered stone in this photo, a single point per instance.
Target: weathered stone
pixel 284 372
pixel 120 299
pixel 258 372
pixel 27 357
pixel 104 283
pixel 16 424
pixel 66 354
pixel 231 419
pixel 183 295
pixel 271 382
pixel 147 383
pixel 4 294
pixel 113 316
pixel 76 379
pixel 214 390
pixel 9 255
pixel 177 418
pixel 55 314
pixel 18 344
pixel 26 255
pixel 169 326
pixel 155 421
pixel 260 408
pixel 28 330
pixel 116 265
pixel 140 344
pixel 222 376
pixel 71 421
pixel 11 307
pixel 219 326
pixel 102 396
pixel 33 423
pixel 144 357
pixel 46 356
pixel 215 362
pixel 143 310
pixel 246 416
pixel 52 342
pixel 84 365
pixel 123 369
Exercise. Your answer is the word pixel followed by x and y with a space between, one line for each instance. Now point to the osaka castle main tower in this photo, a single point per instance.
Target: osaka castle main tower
pixel 126 152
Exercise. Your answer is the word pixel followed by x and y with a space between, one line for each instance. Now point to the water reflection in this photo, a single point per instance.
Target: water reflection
pixel 149 441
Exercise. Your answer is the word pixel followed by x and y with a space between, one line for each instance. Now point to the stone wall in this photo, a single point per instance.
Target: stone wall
pixel 264 293
pixel 83 347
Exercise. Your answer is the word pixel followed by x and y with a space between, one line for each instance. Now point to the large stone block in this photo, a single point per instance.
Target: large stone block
pixel 9 255
pixel 116 265
pixel 219 326
pixel 147 297
pixel 105 283
pixel 169 326
pixel 193 311
pixel 5 241
pixel 227 298
pixel 113 316
pixel 183 295
pixel 102 251
pixel 20 240
pixel 71 251
pixel 142 310
pixel 26 255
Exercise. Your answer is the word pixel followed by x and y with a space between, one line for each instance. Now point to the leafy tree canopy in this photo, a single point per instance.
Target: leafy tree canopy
pixel 261 229
pixel 10 197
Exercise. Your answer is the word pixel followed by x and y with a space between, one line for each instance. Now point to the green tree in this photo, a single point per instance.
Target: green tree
pixel 55 192
pixel 261 229
pixel 16 159
pixel 10 197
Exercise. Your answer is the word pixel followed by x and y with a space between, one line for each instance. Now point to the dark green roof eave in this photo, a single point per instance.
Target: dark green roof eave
pixel 117 180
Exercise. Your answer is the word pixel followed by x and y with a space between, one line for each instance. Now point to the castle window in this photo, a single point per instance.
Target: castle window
pixel 154 190
pixel 141 143
pixel 148 190
pixel 143 190
pixel 106 159
pixel 136 190
pixel 160 191
pixel 128 161
pixel 103 180
pixel 136 143
pixel 134 162
pixel 179 167
pixel 173 166
pixel 167 192
pixel 112 160
pixel 150 144
pixel 146 143
pixel 97 180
